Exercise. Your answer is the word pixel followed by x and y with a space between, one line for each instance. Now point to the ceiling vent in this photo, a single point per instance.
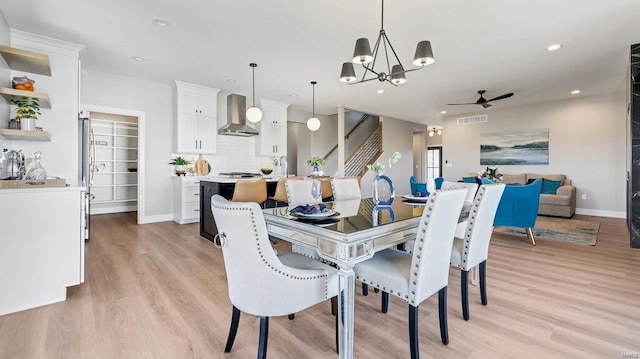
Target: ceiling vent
pixel 472 120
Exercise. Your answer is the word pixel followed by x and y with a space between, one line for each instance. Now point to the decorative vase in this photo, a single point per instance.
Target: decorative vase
pixel 181 170
pixel 383 191
pixel 37 172
pixel 28 124
pixel 315 170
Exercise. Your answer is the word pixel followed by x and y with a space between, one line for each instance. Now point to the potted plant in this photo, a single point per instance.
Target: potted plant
pixel 180 164
pixel 27 112
pixel 314 162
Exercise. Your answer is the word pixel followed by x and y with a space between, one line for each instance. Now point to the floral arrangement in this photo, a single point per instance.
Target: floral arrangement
pixel 492 173
pixel 379 168
pixel 315 161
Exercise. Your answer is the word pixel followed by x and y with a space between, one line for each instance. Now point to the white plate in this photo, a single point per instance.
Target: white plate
pixel 414 198
pixel 328 213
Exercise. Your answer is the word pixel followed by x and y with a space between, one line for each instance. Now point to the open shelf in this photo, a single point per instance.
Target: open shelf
pixel 24 60
pixel 11 94
pixel 25 135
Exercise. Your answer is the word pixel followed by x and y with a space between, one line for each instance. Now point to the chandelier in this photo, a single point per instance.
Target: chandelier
pixel 363 55
pixel 435 131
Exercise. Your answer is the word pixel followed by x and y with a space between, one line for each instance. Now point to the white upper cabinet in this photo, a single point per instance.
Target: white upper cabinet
pixel 272 140
pixel 196 118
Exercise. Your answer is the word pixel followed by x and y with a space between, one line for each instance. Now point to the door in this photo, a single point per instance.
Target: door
pixel 434 162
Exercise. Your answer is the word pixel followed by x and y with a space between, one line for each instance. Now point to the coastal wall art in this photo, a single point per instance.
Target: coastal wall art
pixel 523 147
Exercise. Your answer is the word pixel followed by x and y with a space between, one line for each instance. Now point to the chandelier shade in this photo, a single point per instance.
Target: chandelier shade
pixel 424 54
pixel 394 74
pixel 348 73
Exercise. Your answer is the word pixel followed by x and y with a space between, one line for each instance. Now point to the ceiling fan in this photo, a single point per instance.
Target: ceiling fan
pixel 483 101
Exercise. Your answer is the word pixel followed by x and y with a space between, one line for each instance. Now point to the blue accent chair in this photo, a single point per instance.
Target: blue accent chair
pixel 422 186
pixel 418 186
pixel 518 207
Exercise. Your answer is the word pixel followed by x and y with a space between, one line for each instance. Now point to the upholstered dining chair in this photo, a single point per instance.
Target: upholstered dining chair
pixel 417 186
pixel 471 247
pixel 299 193
pixel 260 282
pixel 280 195
pixel 346 188
pixel 250 190
pixel 472 187
pixel 415 277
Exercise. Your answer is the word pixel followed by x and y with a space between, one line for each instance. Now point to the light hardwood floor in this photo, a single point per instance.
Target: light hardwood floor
pixel 159 291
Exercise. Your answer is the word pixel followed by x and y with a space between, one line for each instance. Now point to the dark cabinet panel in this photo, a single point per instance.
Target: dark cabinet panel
pixel 633 186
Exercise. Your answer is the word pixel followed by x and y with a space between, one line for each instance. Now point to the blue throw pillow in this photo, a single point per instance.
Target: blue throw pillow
pixel 550 186
pixel 469 179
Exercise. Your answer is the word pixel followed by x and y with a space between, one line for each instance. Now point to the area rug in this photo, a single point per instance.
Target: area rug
pixel 560 229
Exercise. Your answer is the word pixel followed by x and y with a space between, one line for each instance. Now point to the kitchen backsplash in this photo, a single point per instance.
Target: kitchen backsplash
pixel 234 154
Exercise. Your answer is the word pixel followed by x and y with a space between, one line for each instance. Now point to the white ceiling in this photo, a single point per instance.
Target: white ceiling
pixel 495 45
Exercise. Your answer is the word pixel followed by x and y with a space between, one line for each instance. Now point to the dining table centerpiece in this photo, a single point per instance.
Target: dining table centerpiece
pixel 380 182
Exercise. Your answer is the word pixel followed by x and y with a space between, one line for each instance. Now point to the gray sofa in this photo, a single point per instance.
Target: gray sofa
pixel 561 204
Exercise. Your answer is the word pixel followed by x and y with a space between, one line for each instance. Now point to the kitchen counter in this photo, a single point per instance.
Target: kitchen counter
pixel 19 186
pixel 221 179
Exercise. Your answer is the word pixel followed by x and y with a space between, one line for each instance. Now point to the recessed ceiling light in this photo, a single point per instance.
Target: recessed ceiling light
pixel 554 47
pixel 443 112
pixel 381 91
pixel 293 95
pixel 575 92
pixel 160 22
pixel 231 81
pixel 138 58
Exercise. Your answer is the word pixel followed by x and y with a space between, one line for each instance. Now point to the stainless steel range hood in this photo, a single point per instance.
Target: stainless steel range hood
pixel 237 118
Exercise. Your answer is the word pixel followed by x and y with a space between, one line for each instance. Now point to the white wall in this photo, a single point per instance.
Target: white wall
pixel 586 142
pixel 156 101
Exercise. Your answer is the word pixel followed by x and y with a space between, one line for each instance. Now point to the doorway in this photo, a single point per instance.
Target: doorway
pixel 434 162
pixel 118 152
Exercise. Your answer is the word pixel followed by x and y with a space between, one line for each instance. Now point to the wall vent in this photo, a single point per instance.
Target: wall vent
pixel 472 119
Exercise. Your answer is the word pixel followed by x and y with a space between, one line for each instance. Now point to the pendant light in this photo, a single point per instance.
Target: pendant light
pixel 313 123
pixel 254 114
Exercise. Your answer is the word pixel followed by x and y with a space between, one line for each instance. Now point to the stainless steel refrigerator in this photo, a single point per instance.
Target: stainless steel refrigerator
pixel 86 165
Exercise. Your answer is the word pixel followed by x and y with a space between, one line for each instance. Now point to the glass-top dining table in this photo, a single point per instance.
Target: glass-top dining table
pixel 351 235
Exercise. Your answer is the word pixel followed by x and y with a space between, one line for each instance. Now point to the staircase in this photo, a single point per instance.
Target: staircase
pixel 365 154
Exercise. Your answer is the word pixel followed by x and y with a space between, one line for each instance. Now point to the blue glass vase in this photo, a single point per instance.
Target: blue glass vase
pixel 383 191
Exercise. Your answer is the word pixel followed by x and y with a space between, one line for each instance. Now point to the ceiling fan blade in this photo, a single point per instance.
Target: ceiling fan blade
pixel 485 105
pixel 507 95
pixel 470 103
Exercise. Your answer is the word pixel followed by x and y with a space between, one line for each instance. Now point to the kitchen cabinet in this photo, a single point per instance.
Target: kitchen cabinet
pixel 186 199
pixel 196 118
pixel 41 247
pixel 272 129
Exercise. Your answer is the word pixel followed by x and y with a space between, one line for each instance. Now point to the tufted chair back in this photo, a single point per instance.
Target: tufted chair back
pixel 281 190
pixel 259 283
pixel 475 244
pixel 299 193
pixel 472 187
pixel 345 189
pixel 434 240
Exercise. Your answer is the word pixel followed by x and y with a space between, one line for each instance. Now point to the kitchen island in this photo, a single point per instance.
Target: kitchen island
pixel 42 245
pixel 223 186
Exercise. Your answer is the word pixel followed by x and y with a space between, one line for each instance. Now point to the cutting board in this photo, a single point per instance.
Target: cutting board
pixel 202 166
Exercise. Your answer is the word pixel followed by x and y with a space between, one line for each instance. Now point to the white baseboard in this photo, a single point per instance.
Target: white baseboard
pixel 156 218
pixel 601 213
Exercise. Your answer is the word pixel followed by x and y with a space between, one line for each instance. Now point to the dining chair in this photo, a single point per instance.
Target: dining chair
pixel 260 282
pixel 299 193
pixel 415 277
pixel 280 194
pixel 417 186
pixel 250 190
pixel 345 189
pixel 471 247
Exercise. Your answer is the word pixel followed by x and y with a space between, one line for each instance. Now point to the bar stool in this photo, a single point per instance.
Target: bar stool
pixel 250 190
